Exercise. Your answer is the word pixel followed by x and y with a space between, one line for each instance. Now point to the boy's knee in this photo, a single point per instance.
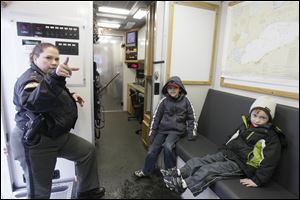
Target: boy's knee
pixel 168 147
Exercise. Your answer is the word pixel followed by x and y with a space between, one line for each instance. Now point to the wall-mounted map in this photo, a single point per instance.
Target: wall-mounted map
pixel 262 43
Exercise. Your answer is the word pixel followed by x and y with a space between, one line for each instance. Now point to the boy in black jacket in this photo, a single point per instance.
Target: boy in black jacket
pixel 253 150
pixel 173 118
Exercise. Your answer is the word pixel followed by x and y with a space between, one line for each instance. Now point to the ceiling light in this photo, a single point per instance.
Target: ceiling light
pixel 129 25
pixel 111 15
pixel 140 13
pixel 113 10
pixel 108 25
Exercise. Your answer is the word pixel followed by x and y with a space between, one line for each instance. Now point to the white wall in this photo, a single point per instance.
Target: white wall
pixel 6 189
pixel 141 42
pixel 56 12
pixel 53 13
pixel 197 93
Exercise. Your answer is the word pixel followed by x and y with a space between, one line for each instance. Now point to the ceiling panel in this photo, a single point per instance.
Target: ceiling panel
pixel 133 6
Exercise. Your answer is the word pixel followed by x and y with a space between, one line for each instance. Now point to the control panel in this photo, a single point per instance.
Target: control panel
pixel 47 30
pixel 67 48
pixel 65 37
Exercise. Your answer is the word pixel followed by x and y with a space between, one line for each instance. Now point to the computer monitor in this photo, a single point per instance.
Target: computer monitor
pixel 131 38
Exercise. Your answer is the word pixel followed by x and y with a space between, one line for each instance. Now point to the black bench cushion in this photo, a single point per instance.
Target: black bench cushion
pixel 232 189
pixel 220 116
pixel 189 149
pixel 287 173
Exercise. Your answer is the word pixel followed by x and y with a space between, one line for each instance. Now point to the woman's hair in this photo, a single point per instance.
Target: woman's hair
pixel 39 48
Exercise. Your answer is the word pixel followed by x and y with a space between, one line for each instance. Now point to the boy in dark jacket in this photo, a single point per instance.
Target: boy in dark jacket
pixel 173 118
pixel 253 150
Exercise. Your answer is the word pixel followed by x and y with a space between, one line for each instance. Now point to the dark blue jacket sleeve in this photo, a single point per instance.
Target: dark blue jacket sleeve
pixel 191 120
pixel 158 114
pixel 43 97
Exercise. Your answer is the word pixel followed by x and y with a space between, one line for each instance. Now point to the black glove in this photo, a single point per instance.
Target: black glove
pixel 191 138
pixel 151 138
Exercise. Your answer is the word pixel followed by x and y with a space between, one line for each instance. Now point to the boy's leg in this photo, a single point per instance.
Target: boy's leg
pixel 208 173
pixel 153 153
pixel 170 156
pixel 193 164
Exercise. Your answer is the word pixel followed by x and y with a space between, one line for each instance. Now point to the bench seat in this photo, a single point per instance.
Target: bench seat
pixel 214 127
pixel 231 188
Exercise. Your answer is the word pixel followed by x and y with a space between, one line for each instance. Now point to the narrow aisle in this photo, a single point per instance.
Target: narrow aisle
pixel 120 152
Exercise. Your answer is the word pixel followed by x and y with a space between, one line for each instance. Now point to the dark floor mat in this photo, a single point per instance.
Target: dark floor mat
pixel 151 187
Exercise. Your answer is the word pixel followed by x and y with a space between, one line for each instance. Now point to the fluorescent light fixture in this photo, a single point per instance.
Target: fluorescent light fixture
pixel 140 14
pixel 100 31
pixel 108 25
pixel 129 25
pixel 113 10
pixel 106 36
pixel 111 15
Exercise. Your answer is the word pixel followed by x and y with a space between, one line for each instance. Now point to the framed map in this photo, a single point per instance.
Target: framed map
pixel 261 51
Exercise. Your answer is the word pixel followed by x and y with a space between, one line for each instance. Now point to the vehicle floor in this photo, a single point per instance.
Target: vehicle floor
pixel 120 152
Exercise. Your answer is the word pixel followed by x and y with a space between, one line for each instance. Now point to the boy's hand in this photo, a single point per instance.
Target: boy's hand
pixel 151 138
pixel 247 182
pixel 191 138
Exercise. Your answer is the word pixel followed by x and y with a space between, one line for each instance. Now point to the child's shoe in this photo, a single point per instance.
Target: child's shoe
pixel 169 172
pixel 139 174
pixel 174 183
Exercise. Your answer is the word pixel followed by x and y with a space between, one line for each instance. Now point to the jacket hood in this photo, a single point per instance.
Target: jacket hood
pixel 177 80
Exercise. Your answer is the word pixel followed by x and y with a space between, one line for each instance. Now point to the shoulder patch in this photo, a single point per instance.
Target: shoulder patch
pixel 31 85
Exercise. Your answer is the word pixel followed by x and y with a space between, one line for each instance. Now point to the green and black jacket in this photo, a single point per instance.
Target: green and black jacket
pixel 256 150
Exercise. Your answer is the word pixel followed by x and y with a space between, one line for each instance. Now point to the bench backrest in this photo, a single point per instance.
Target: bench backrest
pixel 221 115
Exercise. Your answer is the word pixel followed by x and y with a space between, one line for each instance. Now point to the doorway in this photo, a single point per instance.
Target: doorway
pixel 109 61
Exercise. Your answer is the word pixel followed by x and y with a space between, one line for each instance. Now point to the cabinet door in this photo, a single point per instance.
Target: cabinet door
pixel 141 43
pixel 149 40
pixel 145 131
pixel 129 104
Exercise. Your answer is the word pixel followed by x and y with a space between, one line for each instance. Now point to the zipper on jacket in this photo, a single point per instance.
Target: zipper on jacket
pixel 250 135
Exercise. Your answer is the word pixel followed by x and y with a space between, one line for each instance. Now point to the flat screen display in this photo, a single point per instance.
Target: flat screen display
pixel 131 37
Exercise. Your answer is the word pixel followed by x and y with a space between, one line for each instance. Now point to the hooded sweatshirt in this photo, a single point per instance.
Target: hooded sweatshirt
pixel 174 115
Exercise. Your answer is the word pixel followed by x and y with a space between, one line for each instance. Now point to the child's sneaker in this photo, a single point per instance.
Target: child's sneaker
pixel 169 172
pixel 174 183
pixel 139 174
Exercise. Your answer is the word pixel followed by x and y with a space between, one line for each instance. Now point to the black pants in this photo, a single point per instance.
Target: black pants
pixel 39 161
pixel 200 172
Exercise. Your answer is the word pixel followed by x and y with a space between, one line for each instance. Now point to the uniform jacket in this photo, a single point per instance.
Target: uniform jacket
pixel 174 116
pixel 256 150
pixel 47 94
